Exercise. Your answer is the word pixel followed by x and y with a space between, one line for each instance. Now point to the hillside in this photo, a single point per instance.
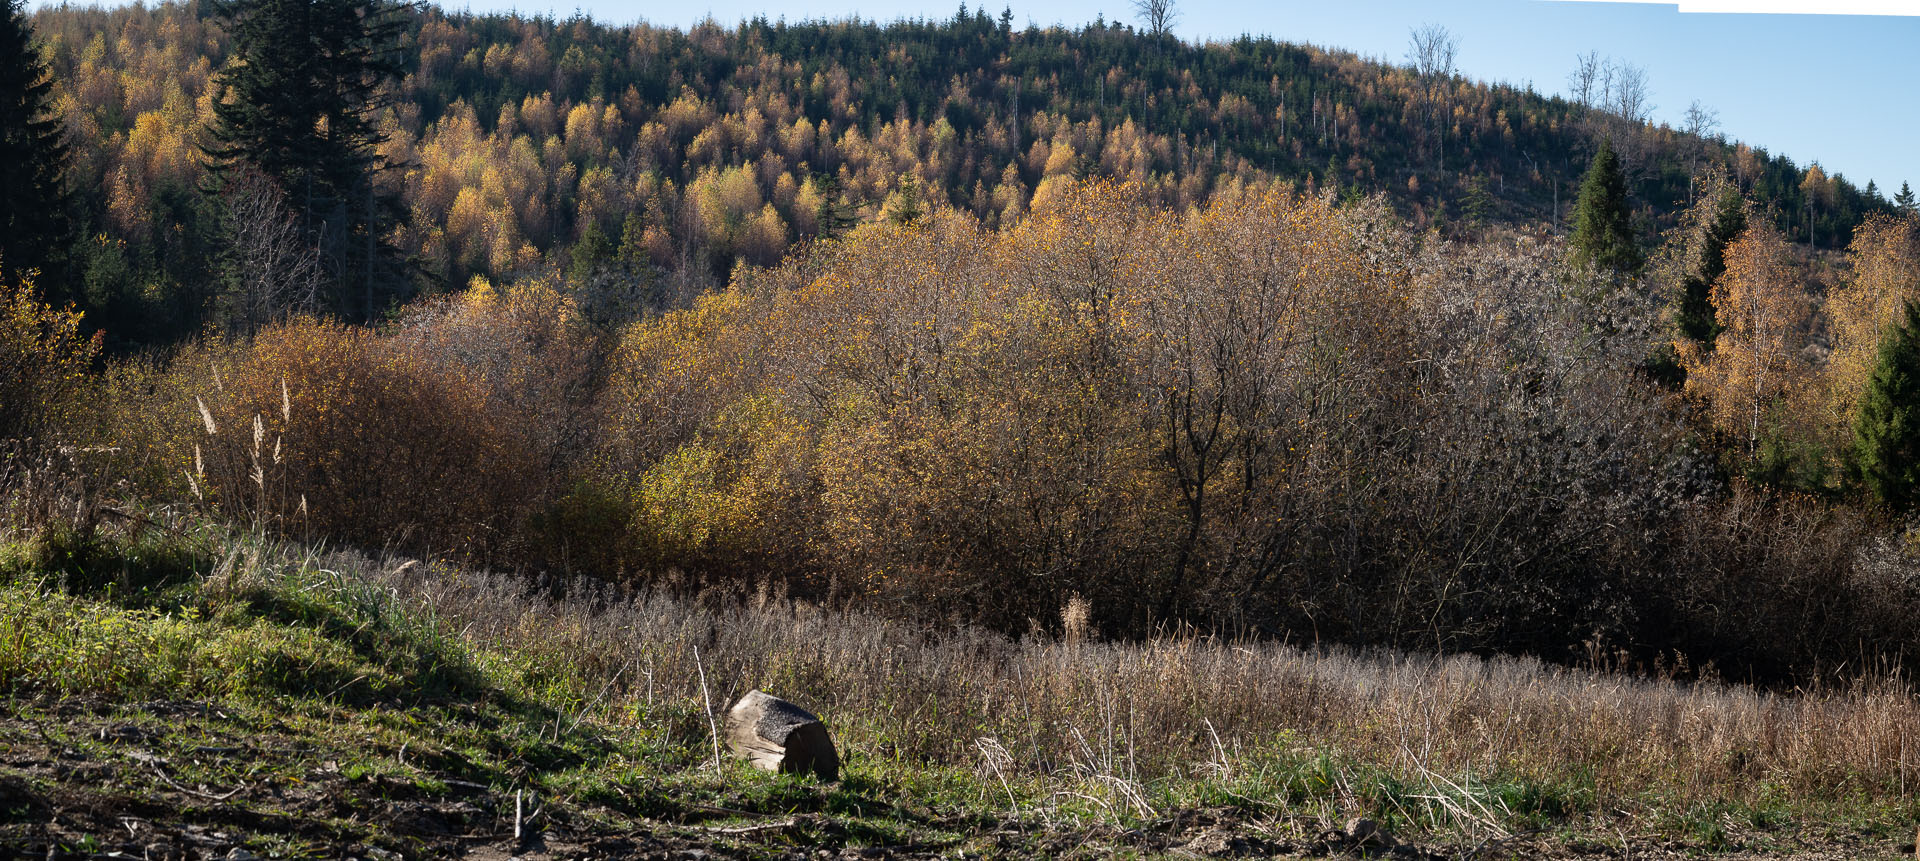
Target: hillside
pixel 671 155
pixel 1128 448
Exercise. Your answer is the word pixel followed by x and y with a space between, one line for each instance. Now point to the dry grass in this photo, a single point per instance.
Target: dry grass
pixel 1131 726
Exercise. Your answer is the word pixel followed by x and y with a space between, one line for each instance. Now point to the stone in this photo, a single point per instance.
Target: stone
pixel 777 735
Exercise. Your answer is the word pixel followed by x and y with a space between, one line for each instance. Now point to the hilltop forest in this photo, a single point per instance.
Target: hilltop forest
pixel 512 143
pixel 973 323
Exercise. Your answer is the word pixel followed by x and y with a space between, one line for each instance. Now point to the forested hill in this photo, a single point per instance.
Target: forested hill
pixel 683 153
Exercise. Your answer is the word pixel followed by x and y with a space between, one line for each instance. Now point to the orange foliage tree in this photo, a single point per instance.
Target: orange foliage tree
pixel 1755 365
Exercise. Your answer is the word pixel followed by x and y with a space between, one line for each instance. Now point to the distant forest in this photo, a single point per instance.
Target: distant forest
pixel 671 157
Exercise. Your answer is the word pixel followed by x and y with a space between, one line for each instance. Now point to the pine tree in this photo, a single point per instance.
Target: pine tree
pixel 1904 199
pixel 1602 226
pixel 34 228
pixel 1887 427
pixel 297 101
pixel 591 253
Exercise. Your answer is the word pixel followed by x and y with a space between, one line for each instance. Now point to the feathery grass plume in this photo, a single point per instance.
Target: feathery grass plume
pixel 1074 618
pixel 206 417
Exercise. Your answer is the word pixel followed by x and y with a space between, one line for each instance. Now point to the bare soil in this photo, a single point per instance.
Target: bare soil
pixel 101 780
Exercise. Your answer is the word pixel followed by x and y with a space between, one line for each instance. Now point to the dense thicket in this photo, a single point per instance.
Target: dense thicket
pixel 691 151
pixel 1271 413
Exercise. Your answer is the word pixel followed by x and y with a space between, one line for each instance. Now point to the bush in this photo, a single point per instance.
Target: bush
pixel 44 361
pixel 362 437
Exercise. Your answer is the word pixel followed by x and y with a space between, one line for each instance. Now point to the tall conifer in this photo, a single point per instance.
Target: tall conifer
pixel 1602 224
pixel 34 227
pixel 298 102
pixel 1695 317
pixel 1887 426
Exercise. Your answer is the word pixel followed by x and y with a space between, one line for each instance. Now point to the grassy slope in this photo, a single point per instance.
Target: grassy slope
pixel 180 695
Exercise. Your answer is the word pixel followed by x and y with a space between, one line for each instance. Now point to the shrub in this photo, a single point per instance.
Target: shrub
pixel 365 438
pixel 44 361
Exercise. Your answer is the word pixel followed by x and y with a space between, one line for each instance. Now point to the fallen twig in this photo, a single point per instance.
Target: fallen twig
pixel 739 830
pixel 154 763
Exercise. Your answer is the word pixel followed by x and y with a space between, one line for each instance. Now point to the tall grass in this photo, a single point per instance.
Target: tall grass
pixel 1132 731
pixel 1139 725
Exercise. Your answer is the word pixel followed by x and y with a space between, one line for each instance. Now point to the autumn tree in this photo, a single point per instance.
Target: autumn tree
pixel 44 360
pixel 1887 428
pixel 1602 225
pixel 1755 363
pixel 1884 277
pixel 1814 191
pixel 298 102
pixel 34 228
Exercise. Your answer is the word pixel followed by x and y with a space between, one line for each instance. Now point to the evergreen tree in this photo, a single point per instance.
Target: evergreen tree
pixel 34 228
pixel 907 207
pixel 1904 199
pixel 836 214
pixel 1695 317
pixel 298 101
pixel 1602 225
pixel 1887 427
pixel 590 254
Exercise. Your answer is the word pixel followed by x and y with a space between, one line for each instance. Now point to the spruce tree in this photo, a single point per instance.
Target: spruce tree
pixel 34 228
pixel 1887 427
pixel 1904 199
pixel 907 207
pixel 297 101
pixel 1602 225
pixel 1695 317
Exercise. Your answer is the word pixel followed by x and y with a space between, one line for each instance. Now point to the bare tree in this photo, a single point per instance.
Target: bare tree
pixel 1632 95
pixel 1583 82
pixel 272 271
pixel 1699 122
pixel 1158 16
pixel 1431 55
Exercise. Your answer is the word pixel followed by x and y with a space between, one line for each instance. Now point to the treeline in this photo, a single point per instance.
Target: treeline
pixel 1268 414
pixel 654 160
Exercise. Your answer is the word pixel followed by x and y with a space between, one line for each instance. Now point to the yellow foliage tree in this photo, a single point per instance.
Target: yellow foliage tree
pixel 1755 364
pixel 1884 260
